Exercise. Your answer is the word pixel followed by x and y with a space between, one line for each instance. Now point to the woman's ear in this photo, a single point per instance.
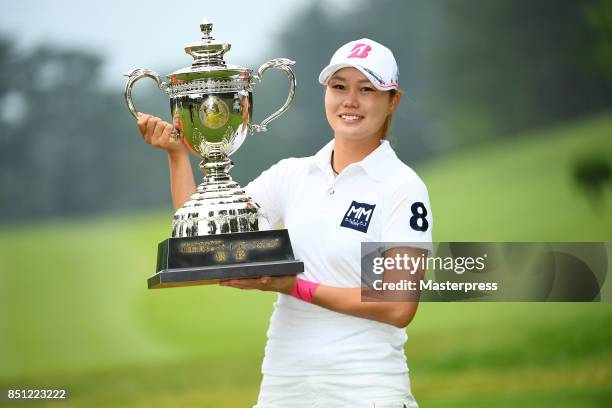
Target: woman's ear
pixel 395 100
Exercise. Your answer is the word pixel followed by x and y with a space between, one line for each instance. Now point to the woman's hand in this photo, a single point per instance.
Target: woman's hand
pixel 281 284
pixel 157 133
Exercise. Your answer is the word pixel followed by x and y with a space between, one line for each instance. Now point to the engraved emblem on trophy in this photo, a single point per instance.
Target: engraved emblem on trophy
pixel 217 234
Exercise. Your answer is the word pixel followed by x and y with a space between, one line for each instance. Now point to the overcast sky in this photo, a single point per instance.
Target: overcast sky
pixel 151 34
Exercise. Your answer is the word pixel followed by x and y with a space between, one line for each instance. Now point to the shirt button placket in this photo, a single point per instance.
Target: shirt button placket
pixel 332 188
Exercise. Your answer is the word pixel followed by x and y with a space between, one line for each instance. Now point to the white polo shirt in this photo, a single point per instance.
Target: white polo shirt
pixel 378 199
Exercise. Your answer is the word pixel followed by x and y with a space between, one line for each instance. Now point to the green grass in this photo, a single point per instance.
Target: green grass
pixel 75 311
pixel 522 189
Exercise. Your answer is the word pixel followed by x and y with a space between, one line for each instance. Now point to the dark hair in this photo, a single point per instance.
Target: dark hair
pixel 387 124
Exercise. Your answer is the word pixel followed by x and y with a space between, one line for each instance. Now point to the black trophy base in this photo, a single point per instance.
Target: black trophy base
pixel 206 260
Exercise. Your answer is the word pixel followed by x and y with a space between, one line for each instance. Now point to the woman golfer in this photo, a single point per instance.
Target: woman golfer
pixel 326 347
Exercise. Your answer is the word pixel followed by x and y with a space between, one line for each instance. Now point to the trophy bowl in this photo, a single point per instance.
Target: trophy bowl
pixel 211 104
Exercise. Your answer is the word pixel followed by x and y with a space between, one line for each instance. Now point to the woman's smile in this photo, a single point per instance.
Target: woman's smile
pixel 351 118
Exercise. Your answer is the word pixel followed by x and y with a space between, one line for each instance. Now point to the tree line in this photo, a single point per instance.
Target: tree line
pixel 470 72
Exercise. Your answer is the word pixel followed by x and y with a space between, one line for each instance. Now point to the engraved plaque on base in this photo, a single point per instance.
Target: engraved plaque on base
pixel 208 259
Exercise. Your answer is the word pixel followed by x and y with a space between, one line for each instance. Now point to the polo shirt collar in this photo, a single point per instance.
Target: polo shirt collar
pixel 375 164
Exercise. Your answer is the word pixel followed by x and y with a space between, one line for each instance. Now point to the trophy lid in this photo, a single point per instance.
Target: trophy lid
pixel 207 52
pixel 208 60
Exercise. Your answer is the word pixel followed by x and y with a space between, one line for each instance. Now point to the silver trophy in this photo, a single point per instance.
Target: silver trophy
pixel 211 104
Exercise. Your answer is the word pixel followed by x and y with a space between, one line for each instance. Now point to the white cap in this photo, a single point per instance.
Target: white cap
pixel 374 60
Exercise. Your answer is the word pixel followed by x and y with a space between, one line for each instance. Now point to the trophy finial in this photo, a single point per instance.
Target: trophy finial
pixel 207 52
pixel 206 28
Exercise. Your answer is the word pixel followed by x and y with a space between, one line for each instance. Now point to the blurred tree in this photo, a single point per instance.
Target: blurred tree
pixel 593 174
pixel 520 64
pixel 599 16
pixel 64 143
pixel 470 71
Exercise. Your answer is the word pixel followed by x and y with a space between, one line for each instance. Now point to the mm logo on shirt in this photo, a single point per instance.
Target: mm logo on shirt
pixel 358 216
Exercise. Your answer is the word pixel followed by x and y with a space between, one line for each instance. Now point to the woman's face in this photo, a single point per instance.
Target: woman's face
pixel 355 109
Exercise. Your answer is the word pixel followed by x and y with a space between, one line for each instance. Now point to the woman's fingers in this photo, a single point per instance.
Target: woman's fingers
pixel 157 133
pixel 165 139
pixel 142 123
pixel 154 131
pixel 150 129
pixel 261 283
pixel 244 283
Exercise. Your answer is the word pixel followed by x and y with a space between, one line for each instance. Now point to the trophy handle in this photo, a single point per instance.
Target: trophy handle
pixel 284 65
pixel 135 75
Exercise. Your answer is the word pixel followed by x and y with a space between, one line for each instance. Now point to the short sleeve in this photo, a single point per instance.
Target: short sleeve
pixel 266 191
pixel 408 216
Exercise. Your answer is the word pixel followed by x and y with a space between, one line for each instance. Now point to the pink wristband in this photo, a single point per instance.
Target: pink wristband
pixel 304 290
